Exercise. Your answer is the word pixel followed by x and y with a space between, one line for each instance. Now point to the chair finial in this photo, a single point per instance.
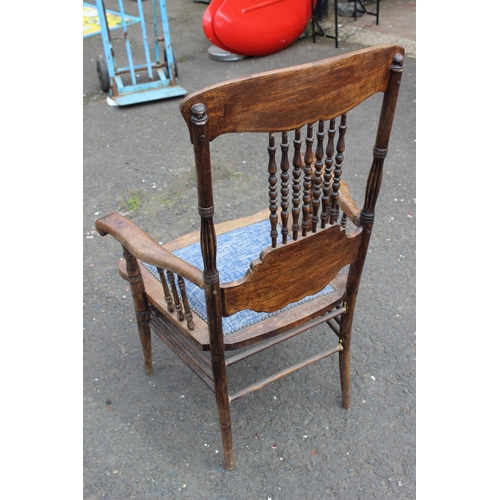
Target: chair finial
pixel 397 62
pixel 199 113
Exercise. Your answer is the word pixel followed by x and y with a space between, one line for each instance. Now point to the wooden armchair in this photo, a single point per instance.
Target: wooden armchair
pixel 257 281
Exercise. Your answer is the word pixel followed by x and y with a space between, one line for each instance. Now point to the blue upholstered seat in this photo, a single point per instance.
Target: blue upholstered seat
pixel 235 250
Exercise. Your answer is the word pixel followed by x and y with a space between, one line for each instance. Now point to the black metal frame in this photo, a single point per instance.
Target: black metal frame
pixel 315 24
pixel 363 9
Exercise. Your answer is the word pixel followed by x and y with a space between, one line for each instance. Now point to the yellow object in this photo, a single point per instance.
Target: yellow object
pixel 91 24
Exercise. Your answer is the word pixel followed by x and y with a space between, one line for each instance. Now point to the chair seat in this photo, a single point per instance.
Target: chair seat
pixel 238 244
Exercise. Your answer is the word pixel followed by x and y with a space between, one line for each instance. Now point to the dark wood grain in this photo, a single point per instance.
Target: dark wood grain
pixel 287 99
pixel 142 246
pixel 275 279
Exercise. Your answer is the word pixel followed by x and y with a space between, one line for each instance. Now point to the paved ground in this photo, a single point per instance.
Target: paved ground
pixel 157 437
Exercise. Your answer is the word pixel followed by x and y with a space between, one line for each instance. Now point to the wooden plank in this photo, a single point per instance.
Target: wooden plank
pixel 290 272
pixel 185 343
pixel 292 333
pixel 184 354
pixel 292 318
pixel 283 373
pixel 270 101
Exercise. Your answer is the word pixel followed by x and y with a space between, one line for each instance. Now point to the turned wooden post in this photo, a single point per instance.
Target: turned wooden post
pixel 284 166
pixel 366 220
pixel 185 302
pixel 141 307
pixel 208 241
pixel 337 173
pixel 297 171
pixel 273 190
pixel 177 302
pixel 318 170
pixel 306 197
pixel 166 291
pixel 327 177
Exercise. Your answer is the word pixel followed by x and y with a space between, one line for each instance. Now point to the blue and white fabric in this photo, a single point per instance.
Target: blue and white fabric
pixel 235 250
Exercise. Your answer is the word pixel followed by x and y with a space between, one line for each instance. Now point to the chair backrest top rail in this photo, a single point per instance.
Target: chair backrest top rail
pixel 269 101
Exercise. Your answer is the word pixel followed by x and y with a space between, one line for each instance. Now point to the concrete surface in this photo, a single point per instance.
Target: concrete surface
pixel 157 436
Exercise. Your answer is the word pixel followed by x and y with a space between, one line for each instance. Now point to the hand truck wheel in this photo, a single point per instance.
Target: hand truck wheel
pixel 102 73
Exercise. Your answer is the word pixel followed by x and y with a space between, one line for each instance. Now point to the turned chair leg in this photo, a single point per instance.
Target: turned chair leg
pixel 222 399
pixel 225 429
pixel 345 356
pixel 145 336
pixel 141 308
pixel 345 372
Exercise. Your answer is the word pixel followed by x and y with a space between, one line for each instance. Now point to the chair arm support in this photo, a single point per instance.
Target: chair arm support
pixel 347 204
pixel 143 247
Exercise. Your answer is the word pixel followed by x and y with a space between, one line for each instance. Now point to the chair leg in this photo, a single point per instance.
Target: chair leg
pixel 345 356
pixel 145 336
pixel 141 308
pixel 345 372
pixel 222 398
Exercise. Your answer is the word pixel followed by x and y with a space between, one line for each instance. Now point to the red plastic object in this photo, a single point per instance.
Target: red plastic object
pixel 255 27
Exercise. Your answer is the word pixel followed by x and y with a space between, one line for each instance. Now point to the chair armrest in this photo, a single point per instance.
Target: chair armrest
pixel 142 246
pixel 347 205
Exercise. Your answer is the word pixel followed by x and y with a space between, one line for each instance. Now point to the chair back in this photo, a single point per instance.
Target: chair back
pixel 303 109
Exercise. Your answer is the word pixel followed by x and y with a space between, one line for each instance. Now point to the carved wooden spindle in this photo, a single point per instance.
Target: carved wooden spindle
pixel 177 303
pixel 337 173
pixel 306 198
pixel 327 176
pixel 343 221
pixel 318 171
pixel 284 165
pixel 273 190
pixel 185 301
pixel 297 171
pixel 166 291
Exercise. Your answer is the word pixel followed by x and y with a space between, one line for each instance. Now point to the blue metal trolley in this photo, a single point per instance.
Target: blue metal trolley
pixel 158 74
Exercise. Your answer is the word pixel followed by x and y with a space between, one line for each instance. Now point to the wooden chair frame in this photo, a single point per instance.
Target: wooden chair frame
pixel 262 103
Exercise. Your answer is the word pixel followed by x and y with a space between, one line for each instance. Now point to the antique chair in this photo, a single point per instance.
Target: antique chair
pixel 262 279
